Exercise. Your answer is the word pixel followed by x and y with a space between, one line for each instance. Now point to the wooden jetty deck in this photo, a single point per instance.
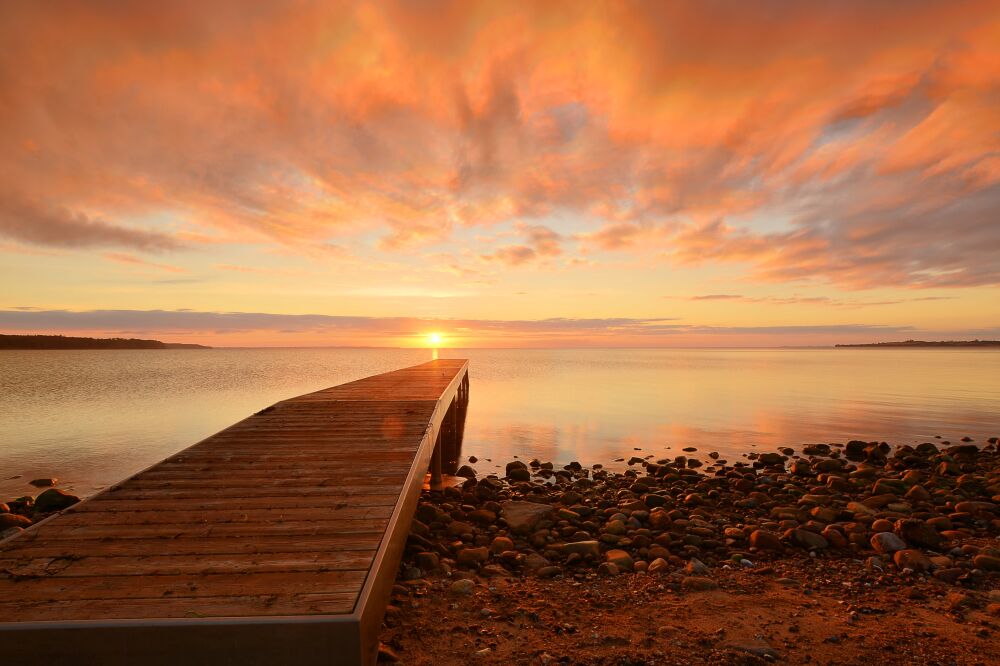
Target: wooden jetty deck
pixel 275 541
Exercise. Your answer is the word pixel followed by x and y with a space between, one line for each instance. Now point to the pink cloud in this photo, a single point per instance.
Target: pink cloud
pixel 679 128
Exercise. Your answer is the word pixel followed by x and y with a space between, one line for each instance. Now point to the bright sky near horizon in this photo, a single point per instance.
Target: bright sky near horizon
pixel 501 174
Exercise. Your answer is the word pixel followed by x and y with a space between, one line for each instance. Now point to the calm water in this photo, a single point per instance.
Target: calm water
pixel 91 418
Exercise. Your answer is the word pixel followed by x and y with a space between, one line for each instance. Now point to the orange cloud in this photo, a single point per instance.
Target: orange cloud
pixel 682 128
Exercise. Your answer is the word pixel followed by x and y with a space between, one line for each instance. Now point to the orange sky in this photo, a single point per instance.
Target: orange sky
pixel 509 174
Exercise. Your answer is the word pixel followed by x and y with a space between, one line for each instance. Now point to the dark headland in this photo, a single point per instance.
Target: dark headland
pixel 64 342
pixel 925 343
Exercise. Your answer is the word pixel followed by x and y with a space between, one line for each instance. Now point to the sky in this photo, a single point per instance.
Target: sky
pixel 503 174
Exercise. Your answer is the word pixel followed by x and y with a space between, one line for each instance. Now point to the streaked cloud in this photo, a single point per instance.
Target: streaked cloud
pixel 673 128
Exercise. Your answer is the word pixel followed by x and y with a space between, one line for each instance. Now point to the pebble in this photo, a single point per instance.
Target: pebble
pixel 463 587
pixel 887 542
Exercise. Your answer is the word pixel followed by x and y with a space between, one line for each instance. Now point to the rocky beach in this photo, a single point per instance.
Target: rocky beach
pixel 832 554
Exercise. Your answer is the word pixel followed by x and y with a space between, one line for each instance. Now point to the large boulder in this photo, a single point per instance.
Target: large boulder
pixel 522 517
pixel 54 499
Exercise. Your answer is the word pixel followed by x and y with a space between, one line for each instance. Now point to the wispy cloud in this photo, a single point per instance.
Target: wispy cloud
pixel 133 260
pixel 681 130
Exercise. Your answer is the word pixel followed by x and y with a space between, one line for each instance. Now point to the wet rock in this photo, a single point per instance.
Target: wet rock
pixel 54 499
pixel 986 562
pixel 466 472
pixel 483 517
pixel 8 520
pixel 659 565
pixel 522 517
pixel 608 569
pixel 583 548
pixel 472 556
pixel 619 558
pixel 458 528
pixel 43 483
pixel 501 544
pixel 771 458
pixel 695 567
pixel 534 562
pixel 519 474
pixel 462 588
pixel 764 540
pixel 806 539
pixel 887 542
pixel 427 561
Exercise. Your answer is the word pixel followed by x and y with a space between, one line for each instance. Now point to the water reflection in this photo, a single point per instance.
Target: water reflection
pixel 92 418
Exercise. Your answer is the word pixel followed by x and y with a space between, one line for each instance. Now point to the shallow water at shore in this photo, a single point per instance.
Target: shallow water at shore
pixel 91 418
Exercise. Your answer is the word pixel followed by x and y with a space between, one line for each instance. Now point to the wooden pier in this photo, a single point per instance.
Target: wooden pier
pixel 275 541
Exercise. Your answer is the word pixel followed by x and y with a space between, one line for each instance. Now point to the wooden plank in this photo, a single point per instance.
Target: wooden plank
pixel 187 516
pixel 182 607
pixel 235 503
pixel 159 565
pixel 193 547
pixel 188 587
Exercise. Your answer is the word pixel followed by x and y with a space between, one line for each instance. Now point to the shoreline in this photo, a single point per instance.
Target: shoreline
pixel 827 554
pixel 835 554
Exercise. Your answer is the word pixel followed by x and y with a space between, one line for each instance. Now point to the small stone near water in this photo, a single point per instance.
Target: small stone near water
pixel 696 567
pixel 13 520
pixel 43 483
pixel 764 540
pixel 428 561
pixel 986 562
pixel 501 544
pixel 466 472
pixel 619 558
pixel 887 542
pixel 462 588
pixel 473 555
pixel 659 565
pixel 583 548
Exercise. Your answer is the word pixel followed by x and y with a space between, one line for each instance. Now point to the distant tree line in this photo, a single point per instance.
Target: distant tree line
pixel 65 342
pixel 924 343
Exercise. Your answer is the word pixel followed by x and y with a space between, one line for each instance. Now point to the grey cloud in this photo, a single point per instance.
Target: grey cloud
pixel 29 222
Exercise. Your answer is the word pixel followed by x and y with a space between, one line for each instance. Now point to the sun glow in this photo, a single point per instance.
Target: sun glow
pixel 434 338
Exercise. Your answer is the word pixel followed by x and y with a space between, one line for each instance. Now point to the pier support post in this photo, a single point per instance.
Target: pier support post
pixel 436 463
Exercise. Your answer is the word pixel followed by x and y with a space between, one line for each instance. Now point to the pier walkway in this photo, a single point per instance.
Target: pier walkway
pixel 275 541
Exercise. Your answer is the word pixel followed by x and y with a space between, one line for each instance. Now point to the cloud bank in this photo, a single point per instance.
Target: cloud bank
pixel 853 143
pixel 251 328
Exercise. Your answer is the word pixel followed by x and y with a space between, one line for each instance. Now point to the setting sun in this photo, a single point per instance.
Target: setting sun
pixel 434 338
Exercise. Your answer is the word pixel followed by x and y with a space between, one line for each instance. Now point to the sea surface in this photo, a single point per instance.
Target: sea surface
pixel 91 418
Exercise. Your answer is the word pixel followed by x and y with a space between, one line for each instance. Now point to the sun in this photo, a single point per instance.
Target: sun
pixel 434 338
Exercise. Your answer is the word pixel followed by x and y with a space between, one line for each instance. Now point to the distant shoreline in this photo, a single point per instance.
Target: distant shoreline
pixel 924 343
pixel 43 342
